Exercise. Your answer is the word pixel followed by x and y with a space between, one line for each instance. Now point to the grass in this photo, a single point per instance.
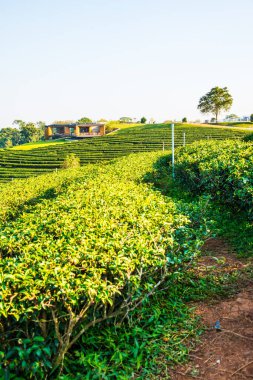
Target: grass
pixel 238 124
pixel 38 144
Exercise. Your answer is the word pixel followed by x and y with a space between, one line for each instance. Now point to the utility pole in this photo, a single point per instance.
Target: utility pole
pixel 173 149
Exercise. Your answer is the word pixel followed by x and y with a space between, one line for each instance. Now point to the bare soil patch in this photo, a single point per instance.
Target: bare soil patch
pixel 226 352
pixel 219 258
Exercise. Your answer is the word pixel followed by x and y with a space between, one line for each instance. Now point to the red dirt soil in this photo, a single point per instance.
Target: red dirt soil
pixel 228 353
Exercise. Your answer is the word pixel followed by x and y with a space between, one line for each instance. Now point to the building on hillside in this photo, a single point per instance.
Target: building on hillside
pixel 74 130
pixel 237 119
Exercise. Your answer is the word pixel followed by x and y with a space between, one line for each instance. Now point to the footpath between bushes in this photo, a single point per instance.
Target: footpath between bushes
pixel 225 349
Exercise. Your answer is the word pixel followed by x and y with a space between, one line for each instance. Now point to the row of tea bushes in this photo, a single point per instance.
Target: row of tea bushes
pixel 224 170
pixel 18 194
pixel 88 255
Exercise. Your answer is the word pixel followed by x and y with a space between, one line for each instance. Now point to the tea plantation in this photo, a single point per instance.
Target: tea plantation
pixel 98 264
pixel 16 163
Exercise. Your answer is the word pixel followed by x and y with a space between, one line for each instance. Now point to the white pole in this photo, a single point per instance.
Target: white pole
pixel 184 139
pixel 163 146
pixel 173 149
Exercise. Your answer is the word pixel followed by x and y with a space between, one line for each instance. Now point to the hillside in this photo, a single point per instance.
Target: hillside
pixel 21 163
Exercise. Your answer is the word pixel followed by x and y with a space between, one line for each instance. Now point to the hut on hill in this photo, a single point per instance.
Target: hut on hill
pixel 74 130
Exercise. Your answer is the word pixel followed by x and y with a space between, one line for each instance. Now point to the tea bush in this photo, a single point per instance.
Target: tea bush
pixel 92 252
pixel 71 162
pixel 248 138
pixel 15 195
pixel 224 170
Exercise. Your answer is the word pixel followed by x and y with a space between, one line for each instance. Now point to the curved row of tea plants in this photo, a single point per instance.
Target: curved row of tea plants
pixel 21 163
pixel 224 170
pixel 21 193
pixel 90 252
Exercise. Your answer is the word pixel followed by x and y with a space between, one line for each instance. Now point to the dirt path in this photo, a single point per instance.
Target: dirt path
pixel 226 349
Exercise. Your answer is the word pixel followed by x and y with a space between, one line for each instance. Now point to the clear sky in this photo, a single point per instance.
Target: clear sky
pixel 63 59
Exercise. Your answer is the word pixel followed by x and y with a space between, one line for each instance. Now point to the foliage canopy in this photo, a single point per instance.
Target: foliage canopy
pixel 222 169
pixel 21 133
pixel 216 100
pixel 84 120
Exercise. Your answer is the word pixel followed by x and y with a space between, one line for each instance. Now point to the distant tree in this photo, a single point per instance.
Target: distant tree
pixel 18 123
pixel 125 119
pixel 102 120
pixel 61 122
pixel 232 116
pixel 9 134
pixel 215 101
pixel 251 117
pixel 84 120
pixel 29 131
pixel 15 136
pixel 8 144
pixel 213 120
pixel 5 142
pixel 21 133
pixel 184 120
pixel 71 162
pixel 143 120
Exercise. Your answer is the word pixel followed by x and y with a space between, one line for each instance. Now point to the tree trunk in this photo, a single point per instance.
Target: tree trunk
pixel 60 356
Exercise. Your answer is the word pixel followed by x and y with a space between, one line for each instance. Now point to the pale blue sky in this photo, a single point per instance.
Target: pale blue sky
pixel 63 59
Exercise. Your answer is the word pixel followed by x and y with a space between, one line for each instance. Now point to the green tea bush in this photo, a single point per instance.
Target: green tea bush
pixel 92 253
pixel 71 162
pixel 15 195
pixel 248 137
pixel 224 170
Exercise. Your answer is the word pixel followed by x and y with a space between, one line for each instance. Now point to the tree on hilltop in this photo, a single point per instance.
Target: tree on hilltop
pixel 216 100
pixel 143 120
pixel 125 119
pixel 84 120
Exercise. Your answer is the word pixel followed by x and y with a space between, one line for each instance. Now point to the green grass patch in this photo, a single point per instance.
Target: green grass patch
pixel 38 144
pixel 241 124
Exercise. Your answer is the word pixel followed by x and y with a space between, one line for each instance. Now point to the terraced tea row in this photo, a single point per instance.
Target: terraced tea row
pixel 23 163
